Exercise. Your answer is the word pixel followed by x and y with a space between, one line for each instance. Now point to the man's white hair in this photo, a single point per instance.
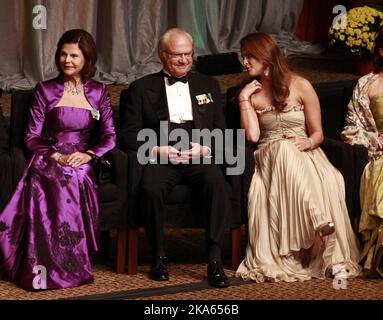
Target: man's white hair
pixel 172 32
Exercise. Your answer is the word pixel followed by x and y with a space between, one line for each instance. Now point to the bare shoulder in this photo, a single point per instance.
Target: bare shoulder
pixel 300 83
pixel 303 91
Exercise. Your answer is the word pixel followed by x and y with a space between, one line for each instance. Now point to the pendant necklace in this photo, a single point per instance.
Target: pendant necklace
pixel 73 90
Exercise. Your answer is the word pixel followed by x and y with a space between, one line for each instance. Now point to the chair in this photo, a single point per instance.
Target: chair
pixel 181 210
pixel 5 162
pixel 349 160
pixel 112 195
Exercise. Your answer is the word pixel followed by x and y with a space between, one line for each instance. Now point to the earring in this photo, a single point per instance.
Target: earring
pixel 266 71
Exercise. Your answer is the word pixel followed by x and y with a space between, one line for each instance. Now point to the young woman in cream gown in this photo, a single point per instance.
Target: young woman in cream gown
pixel 298 222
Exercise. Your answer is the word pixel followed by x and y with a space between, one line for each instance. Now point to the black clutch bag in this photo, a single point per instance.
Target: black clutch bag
pixel 102 169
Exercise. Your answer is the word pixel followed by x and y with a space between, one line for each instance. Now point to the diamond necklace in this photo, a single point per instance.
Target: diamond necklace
pixel 73 90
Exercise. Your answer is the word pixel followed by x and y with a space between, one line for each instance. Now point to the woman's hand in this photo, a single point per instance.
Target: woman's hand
pixel 60 158
pixel 77 159
pixel 249 89
pixel 380 142
pixel 301 143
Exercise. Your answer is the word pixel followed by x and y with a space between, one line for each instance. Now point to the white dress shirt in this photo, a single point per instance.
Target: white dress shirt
pixel 180 108
pixel 179 101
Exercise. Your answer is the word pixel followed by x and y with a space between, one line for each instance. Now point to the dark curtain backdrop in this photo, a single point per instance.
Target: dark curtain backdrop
pixel 315 20
pixel 127 31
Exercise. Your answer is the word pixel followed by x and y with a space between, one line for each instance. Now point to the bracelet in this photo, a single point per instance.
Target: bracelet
pixel 56 156
pixel 243 100
pixel 92 155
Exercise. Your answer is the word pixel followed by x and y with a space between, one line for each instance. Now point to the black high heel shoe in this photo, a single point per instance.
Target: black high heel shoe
pixel 326 229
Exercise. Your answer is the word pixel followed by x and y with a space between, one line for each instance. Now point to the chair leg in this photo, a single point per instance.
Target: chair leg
pixel 132 250
pixel 121 250
pixel 236 239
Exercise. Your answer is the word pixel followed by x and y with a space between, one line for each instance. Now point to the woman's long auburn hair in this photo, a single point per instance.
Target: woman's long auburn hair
pixel 263 48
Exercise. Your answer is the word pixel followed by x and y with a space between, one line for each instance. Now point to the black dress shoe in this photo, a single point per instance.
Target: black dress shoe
pixel 159 269
pixel 216 276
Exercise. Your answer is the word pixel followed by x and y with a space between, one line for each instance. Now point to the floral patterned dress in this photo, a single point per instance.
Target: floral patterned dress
pixel 364 124
pixel 52 218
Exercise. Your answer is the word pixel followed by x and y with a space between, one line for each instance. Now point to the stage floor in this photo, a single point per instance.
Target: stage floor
pixel 187 269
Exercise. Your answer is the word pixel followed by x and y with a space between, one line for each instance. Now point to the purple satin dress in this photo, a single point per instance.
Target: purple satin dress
pixel 52 217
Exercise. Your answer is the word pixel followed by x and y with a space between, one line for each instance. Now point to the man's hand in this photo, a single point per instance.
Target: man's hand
pixel 168 152
pixel 175 157
pixel 196 151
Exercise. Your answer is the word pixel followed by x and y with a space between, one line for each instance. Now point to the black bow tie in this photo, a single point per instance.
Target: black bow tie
pixel 172 80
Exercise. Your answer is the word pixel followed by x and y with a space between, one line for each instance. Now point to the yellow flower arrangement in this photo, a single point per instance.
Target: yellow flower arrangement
pixel 356 30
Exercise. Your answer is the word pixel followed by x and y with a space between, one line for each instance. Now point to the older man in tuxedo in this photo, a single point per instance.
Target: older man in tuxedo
pixel 186 100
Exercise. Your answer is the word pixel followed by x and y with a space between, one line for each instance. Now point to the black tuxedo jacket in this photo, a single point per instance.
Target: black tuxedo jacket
pixel 145 105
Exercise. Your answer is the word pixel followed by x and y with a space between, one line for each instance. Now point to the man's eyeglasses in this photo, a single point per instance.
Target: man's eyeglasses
pixel 175 56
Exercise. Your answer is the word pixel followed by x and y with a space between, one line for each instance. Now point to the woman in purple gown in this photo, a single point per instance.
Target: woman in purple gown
pixel 48 230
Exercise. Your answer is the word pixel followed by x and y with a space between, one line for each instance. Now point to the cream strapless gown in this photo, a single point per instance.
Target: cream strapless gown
pixel 292 193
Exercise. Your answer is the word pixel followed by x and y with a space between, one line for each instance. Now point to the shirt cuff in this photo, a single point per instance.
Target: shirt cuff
pixel 153 156
pixel 209 152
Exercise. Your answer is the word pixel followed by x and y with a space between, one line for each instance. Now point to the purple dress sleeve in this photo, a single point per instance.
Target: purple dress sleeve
pixel 107 130
pixel 33 138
